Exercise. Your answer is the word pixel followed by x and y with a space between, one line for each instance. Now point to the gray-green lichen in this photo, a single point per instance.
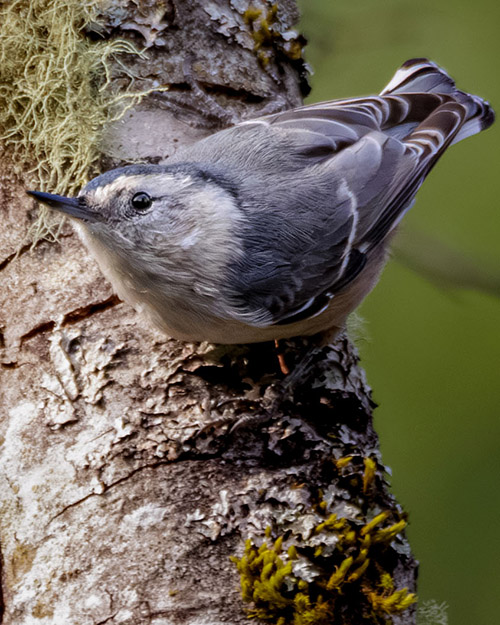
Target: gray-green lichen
pixel 54 92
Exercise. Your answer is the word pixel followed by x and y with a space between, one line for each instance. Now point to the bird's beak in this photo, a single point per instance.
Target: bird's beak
pixel 72 206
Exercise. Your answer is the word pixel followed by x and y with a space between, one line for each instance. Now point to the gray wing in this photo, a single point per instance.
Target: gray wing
pixel 323 185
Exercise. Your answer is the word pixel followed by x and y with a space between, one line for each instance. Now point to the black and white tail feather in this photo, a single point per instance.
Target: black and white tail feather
pixel 380 148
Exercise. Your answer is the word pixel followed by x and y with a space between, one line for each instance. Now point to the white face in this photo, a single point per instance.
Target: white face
pixel 164 221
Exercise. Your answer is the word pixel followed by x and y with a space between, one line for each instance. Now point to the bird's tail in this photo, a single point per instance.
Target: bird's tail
pixel 424 76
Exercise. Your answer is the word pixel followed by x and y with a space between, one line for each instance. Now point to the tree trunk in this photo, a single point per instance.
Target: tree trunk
pixel 126 485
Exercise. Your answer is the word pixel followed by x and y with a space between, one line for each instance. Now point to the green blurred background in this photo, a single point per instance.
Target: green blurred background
pixel 433 357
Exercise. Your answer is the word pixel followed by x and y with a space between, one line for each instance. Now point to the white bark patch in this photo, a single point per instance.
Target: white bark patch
pixel 100 601
pixel 21 417
pixel 58 408
pixel 145 517
pixel 79 373
pixel 211 525
pixel 62 365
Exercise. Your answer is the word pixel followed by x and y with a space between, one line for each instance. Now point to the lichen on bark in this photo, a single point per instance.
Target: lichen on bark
pixel 125 486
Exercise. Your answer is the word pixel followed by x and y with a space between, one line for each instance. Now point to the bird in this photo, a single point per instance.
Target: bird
pixel 278 226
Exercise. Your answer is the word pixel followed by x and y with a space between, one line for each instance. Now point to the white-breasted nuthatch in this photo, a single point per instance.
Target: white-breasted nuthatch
pixel 278 226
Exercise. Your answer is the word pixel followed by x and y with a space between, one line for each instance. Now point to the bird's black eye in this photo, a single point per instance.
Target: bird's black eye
pixel 141 201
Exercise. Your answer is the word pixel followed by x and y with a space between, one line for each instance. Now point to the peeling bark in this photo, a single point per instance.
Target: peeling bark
pixel 125 486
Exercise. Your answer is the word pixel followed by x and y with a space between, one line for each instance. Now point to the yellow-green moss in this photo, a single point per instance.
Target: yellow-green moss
pixel 345 461
pixel 267 36
pixel 293 582
pixel 369 473
pixel 54 95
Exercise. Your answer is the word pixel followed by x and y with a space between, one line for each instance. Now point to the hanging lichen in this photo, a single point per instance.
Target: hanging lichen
pixel 54 93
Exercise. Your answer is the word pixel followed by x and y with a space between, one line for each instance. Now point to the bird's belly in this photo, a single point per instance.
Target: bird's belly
pixel 179 322
pixel 175 318
pixel 180 318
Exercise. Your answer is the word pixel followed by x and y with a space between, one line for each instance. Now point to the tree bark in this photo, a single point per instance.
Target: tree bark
pixel 126 486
